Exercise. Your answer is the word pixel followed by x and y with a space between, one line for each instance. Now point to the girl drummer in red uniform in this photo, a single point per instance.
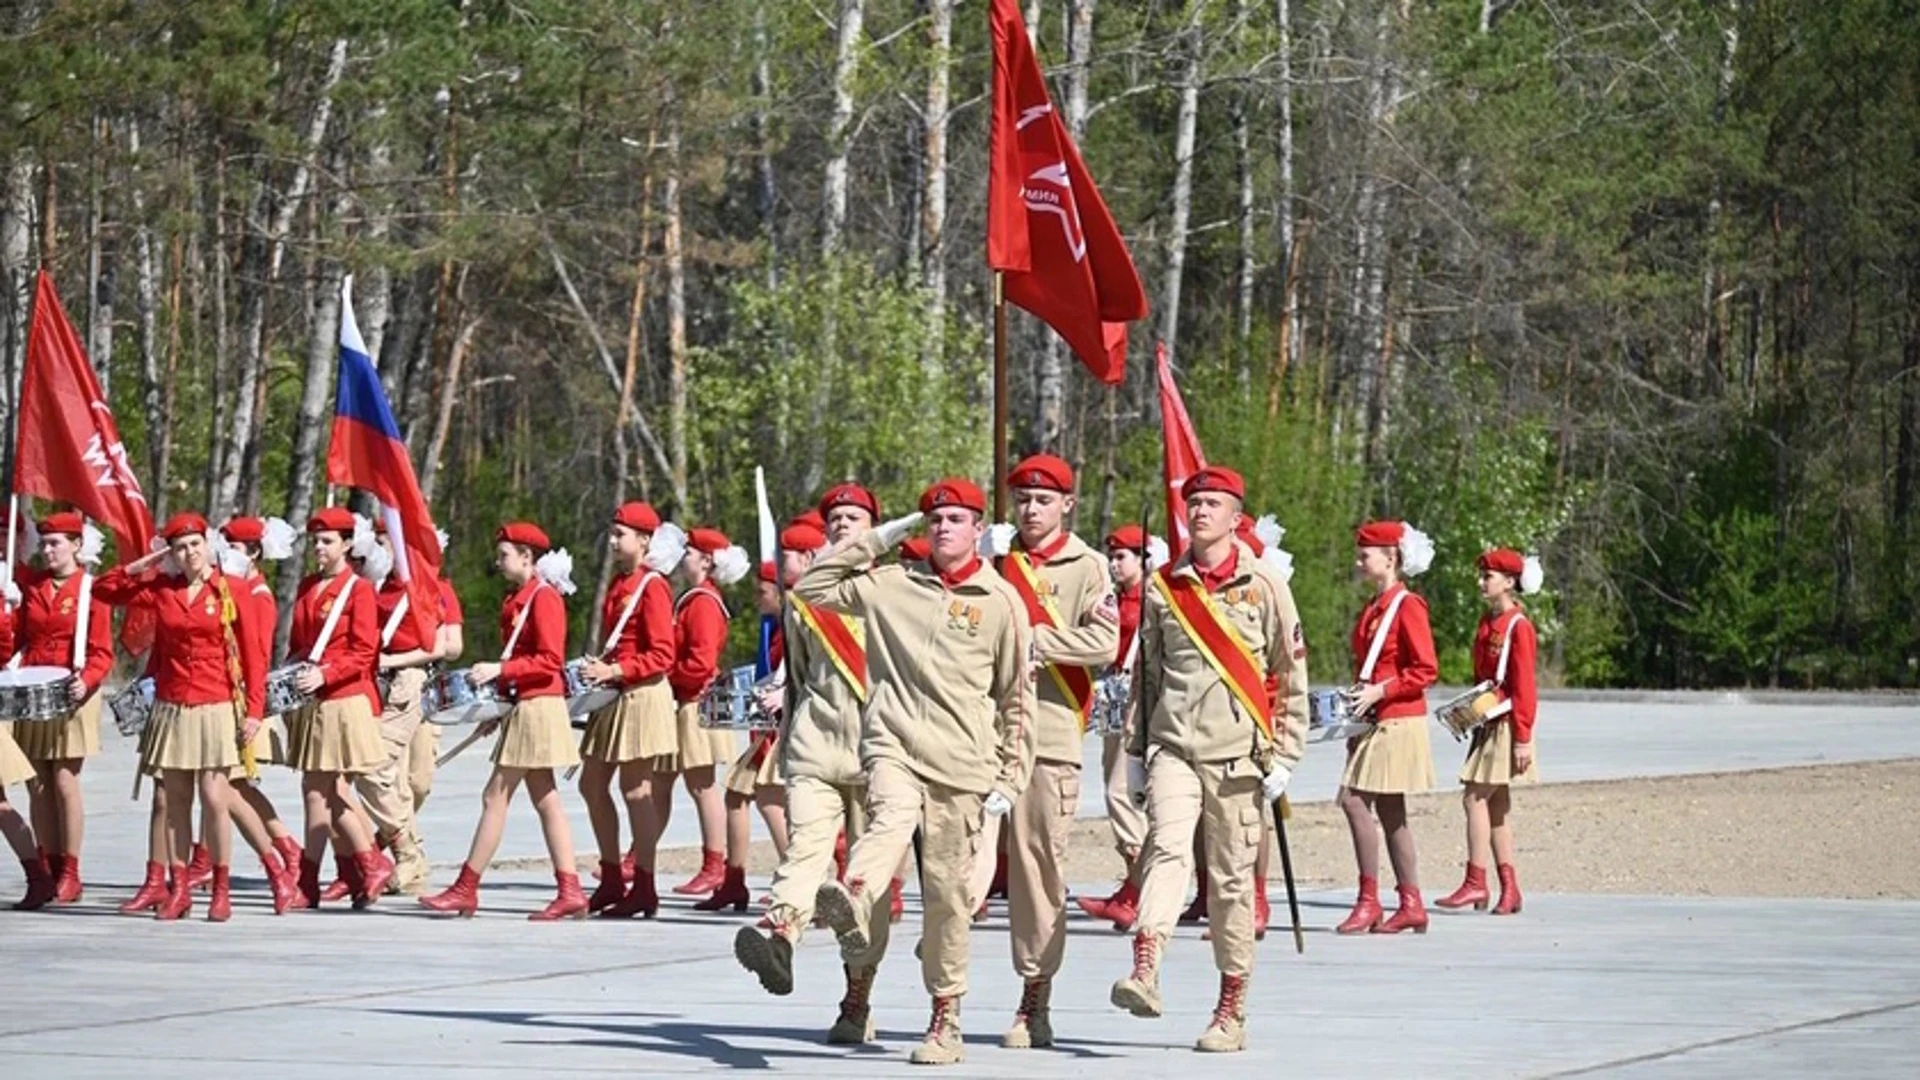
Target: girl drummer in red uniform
pixel 1504 650
pixel 16 770
pixel 57 605
pixel 1393 666
pixel 536 738
pixel 209 676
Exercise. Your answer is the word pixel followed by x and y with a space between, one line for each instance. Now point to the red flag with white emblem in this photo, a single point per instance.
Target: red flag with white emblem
pixel 70 448
pixel 1048 232
pixel 1182 457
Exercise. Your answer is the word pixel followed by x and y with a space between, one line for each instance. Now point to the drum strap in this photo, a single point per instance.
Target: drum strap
pixel 393 621
pixel 82 622
pixel 520 621
pixel 1500 672
pixel 626 613
pixel 333 618
pixel 1380 637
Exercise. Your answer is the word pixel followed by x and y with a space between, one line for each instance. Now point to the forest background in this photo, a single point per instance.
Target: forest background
pixel 1634 284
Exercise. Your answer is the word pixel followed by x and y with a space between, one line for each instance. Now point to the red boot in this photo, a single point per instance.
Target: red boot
pixel 1262 911
pixel 372 871
pixel 306 887
pixel 1123 910
pixel 342 885
pixel 152 893
pixel 1472 890
pixel 40 890
pixel 220 908
pixel 1366 909
pixel 611 889
pixel 641 899
pixel 570 903
pixel 179 900
pixel 603 873
pixel 290 853
pixel 1411 916
pixel 282 881
pixel 713 871
pixel 731 893
pixel 199 868
pixel 896 901
pixel 462 898
pixel 1197 911
pixel 1509 891
pixel 66 883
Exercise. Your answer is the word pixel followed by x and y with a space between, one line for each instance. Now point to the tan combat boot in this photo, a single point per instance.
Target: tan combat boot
pixel 409 867
pixel 1033 1021
pixel 854 1025
pixel 1227 1034
pixel 770 957
pixel 845 912
pixel 943 1045
pixel 1139 992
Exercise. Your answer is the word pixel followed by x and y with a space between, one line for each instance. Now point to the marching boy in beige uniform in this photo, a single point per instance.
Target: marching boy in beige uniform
pixel 1063 585
pixel 944 734
pixel 1222 693
pixel 820 757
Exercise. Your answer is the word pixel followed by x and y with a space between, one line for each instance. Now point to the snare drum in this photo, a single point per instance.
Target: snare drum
pixel 1464 712
pixel 133 706
pixel 585 696
pixel 457 699
pixel 36 693
pixel 283 696
pixel 1111 696
pixel 1330 716
pixel 733 704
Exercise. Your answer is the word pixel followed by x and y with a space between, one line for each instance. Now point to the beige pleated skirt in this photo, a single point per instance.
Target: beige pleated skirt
pixel 700 747
pixel 744 777
pixel 1392 759
pixel 537 734
pixel 1490 757
pixel 191 737
pixel 78 736
pixel 341 736
pixel 639 725
pixel 14 766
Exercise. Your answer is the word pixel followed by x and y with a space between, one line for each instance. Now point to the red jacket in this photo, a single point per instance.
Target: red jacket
pixel 1407 665
pixel 6 629
pixel 1518 686
pixel 699 632
pixel 406 635
pixel 352 653
pixel 1129 603
pixel 645 648
pixel 49 616
pixel 450 612
pixel 189 658
pixel 267 611
pixel 534 668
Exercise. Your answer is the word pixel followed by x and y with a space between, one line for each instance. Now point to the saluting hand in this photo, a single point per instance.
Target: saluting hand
pixel 147 562
pixel 892 532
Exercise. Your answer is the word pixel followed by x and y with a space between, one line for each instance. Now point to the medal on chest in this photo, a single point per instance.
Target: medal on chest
pixel 963 616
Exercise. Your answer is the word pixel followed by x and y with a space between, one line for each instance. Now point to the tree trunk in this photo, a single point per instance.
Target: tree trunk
pixel 147 304
pixel 16 277
pixel 677 324
pixel 374 308
pixel 1185 123
pixel 443 412
pixel 1287 356
pixel 767 190
pixel 1243 166
pixel 1712 303
pixel 323 347
pixel 833 226
pixel 933 203
pixel 222 333
pixel 1368 308
pixel 102 259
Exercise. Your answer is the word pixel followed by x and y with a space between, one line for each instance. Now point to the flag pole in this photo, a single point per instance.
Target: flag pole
pixel 999 397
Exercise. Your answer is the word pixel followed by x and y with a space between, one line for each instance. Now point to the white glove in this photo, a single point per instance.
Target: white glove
pixel 1137 781
pixel 998 805
pixel 998 539
pixel 12 591
pixel 892 532
pixel 1274 784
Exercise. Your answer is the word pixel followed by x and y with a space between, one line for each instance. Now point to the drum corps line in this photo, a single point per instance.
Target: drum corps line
pixel 921 698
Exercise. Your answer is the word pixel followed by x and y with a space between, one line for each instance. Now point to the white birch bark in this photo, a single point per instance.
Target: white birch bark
pixel 933 202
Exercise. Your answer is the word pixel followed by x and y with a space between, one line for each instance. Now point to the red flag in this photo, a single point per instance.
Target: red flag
pixel 70 448
pixel 1182 457
pixel 1048 232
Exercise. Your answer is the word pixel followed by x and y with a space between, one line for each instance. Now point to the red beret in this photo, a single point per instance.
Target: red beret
pixel 66 521
pixel 708 540
pixel 1505 560
pixel 954 491
pixel 524 533
pixel 637 516
pixel 1384 534
pixel 916 549
pixel 1249 537
pixel 331 519
pixel 850 495
pixel 244 530
pixel 810 517
pixel 1042 471
pixel 1214 478
pixel 801 536
pixel 184 523
pixel 767 572
pixel 1127 538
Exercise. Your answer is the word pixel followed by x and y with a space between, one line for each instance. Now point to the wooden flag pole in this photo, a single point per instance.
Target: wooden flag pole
pixel 999 397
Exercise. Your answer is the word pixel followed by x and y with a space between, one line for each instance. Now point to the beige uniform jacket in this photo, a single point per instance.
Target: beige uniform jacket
pixel 822 735
pixel 949 697
pixel 1184 704
pixel 1078 579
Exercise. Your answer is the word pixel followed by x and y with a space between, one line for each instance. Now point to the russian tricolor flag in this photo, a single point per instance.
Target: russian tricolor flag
pixel 367 453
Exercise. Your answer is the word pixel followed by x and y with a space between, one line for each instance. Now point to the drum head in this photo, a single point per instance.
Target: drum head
pixel 471 712
pixel 33 676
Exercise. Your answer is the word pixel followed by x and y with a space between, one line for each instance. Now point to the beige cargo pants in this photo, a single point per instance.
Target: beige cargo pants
pixel 1225 795
pixel 898 800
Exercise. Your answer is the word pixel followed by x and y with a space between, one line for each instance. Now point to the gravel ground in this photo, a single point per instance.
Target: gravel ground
pixel 1836 831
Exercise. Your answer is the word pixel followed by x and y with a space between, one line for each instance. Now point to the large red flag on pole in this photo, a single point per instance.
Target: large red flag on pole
pixel 1182 456
pixel 70 448
pixel 1048 232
